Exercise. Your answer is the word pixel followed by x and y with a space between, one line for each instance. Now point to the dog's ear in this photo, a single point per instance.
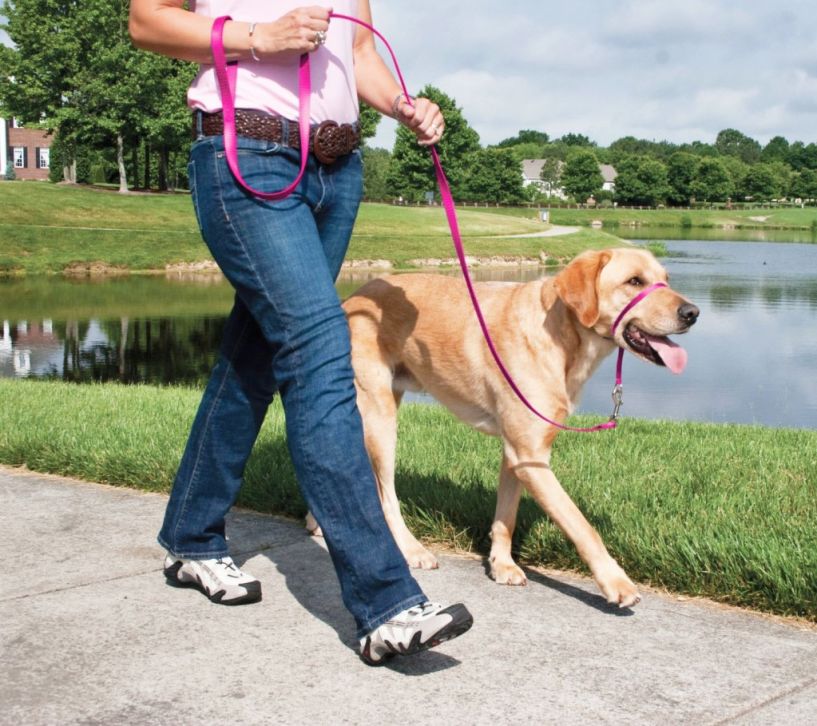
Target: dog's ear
pixel 577 285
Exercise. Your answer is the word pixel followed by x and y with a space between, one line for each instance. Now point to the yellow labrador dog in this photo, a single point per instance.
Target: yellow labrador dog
pixel 419 332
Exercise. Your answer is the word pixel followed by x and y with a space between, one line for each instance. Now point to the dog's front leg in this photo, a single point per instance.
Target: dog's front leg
pixel 545 488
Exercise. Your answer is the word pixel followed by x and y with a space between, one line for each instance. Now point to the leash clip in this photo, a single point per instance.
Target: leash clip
pixel 618 401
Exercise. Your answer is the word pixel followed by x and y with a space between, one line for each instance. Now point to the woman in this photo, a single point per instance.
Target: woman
pixel 287 331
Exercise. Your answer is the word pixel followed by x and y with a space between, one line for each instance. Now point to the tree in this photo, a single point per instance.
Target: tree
pixel 731 142
pixel 376 164
pixel 581 177
pixel 682 169
pixel 737 170
pixel 526 136
pixel 713 183
pixel 783 177
pixel 642 180
pixel 776 150
pixel 576 140
pixel 74 68
pixel 761 184
pixel 699 148
pixel 631 146
pixel 38 72
pixel 804 184
pixel 551 174
pixel 494 175
pixel 368 121
pixel 802 156
pixel 164 117
pixel 527 150
pixel 412 170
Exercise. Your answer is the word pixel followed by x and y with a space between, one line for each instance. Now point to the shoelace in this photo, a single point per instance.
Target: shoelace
pixel 422 609
pixel 228 563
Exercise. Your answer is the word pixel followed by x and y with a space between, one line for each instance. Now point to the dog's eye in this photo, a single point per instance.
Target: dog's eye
pixel 635 281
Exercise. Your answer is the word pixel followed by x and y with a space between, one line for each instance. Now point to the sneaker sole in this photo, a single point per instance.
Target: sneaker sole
pixel 461 622
pixel 253 588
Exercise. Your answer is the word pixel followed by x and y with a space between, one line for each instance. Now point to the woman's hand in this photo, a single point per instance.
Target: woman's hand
pixel 424 118
pixel 300 31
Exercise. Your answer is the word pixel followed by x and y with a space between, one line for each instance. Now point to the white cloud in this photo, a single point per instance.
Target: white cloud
pixel 649 68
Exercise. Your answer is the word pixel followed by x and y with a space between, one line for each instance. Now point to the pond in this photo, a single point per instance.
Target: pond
pixel 752 355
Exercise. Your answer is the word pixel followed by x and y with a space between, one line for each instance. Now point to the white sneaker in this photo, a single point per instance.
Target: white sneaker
pixel 413 630
pixel 219 579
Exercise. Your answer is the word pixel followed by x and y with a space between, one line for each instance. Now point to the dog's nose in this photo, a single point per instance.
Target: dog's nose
pixel 688 313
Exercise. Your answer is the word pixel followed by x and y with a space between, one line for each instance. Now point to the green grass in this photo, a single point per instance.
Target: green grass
pixel 47 228
pixel 728 512
pixel 773 218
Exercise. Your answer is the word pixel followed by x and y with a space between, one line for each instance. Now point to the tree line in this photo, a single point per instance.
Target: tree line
pixel 118 114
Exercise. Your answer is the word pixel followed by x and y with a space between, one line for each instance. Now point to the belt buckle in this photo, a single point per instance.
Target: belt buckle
pixel 324 155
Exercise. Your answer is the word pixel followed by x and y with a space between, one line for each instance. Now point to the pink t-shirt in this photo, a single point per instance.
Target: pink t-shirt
pixel 273 87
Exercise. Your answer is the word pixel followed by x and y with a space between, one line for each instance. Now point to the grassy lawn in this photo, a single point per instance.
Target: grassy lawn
pixel 729 512
pixel 777 218
pixel 760 218
pixel 46 228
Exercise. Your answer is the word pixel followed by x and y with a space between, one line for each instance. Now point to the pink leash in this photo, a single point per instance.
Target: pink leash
pixel 226 76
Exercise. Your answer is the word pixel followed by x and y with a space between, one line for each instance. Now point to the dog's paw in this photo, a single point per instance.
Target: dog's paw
pixel 619 590
pixel 312 526
pixel 421 559
pixel 508 573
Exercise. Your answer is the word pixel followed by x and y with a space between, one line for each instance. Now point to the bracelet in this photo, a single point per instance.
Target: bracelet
pixel 252 50
pixel 395 104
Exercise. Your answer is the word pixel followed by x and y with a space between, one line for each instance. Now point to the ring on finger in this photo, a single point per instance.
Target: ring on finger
pixel 320 38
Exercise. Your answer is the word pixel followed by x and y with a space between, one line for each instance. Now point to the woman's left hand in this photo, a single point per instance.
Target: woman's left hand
pixel 424 118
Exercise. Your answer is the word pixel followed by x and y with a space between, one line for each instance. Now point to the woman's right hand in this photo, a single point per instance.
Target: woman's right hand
pixel 295 33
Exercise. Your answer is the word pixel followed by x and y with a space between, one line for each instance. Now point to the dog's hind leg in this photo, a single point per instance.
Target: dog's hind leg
pixel 378 407
pixel 503 569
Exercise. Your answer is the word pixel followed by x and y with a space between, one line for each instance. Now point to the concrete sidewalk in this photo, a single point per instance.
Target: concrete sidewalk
pixel 91 634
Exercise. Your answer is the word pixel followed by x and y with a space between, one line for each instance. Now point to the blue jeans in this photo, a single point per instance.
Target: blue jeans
pixel 286 332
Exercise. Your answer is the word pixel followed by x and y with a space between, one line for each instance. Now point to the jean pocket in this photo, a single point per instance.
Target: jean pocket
pixel 269 149
pixel 268 169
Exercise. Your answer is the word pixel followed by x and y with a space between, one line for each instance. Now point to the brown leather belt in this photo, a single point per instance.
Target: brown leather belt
pixel 328 140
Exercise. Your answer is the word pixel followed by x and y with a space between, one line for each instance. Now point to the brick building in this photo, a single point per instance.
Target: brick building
pixel 28 150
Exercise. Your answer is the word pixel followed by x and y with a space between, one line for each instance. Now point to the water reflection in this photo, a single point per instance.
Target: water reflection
pixel 160 351
pixel 752 354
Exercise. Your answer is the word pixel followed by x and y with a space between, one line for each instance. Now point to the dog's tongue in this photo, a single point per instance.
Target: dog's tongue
pixel 673 355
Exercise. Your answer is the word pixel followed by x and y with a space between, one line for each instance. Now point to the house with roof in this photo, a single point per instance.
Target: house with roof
pixel 27 149
pixel 532 175
pixel 609 174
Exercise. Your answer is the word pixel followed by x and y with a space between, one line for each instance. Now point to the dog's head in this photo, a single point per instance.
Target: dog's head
pixel 596 286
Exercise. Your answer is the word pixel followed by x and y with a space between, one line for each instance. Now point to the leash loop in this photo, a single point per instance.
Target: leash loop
pixel 227 76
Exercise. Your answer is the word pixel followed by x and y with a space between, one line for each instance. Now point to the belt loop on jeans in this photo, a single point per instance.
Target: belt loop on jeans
pixel 199 130
pixel 284 131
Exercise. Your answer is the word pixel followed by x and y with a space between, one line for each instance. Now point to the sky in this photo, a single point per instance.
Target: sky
pixel 675 70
